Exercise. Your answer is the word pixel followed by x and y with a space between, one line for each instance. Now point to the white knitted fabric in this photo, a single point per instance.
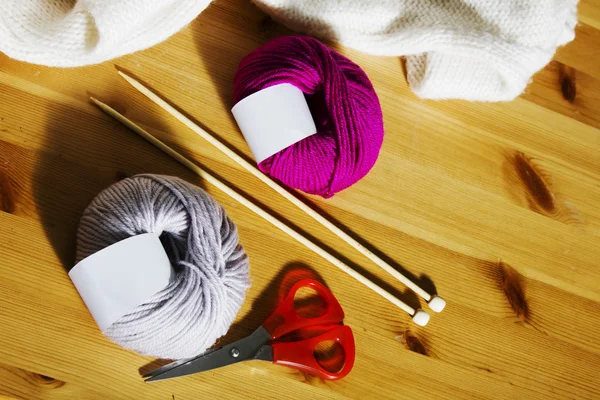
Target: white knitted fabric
pixel 70 33
pixel 468 49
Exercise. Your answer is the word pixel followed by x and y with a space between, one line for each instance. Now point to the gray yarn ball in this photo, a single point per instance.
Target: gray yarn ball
pixel 212 271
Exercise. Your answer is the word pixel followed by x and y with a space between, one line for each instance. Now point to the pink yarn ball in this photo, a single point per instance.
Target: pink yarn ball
pixel 344 106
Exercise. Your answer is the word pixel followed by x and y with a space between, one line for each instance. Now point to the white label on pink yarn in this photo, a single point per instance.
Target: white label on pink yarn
pixel 273 119
pixel 117 279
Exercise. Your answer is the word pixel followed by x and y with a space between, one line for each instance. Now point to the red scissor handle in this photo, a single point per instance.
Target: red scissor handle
pixel 301 355
pixel 285 319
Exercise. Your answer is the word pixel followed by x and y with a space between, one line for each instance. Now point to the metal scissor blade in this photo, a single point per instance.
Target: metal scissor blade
pixel 174 364
pixel 241 350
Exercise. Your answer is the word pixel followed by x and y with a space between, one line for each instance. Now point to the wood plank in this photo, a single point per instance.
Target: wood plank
pixel 486 273
pixel 567 91
pixel 16 383
pixel 387 167
pixel 589 13
pixel 582 53
pixel 510 345
pixel 495 206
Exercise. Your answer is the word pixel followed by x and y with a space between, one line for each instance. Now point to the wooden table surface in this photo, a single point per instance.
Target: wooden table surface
pixel 496 205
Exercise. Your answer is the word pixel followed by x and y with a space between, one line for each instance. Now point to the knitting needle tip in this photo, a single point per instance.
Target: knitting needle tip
pixel 104 107
pixel 436 303
pixel 97 102
pixel 420 317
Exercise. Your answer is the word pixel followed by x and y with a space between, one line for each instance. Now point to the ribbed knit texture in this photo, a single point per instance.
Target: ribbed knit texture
pixel 468 49
pixel 71 33
pixel 212 271
pixel 342 101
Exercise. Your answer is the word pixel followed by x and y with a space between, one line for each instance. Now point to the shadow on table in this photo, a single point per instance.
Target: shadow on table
pixel 221 58
pixel 85 151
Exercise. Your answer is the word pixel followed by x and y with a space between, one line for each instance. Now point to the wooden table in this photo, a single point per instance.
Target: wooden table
pixel 497 205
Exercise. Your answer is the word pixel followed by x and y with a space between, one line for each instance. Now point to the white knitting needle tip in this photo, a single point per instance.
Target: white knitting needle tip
pixel 419 316
pixel 435 302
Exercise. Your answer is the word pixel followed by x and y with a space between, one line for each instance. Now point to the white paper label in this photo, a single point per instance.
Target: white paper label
pixel 117 279
pixel 273 119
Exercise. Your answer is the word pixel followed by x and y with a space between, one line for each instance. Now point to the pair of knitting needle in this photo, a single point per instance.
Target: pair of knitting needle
pixel 420 317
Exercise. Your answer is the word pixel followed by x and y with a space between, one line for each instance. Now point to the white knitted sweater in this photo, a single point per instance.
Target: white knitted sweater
pixel 468 49
pixel 70 33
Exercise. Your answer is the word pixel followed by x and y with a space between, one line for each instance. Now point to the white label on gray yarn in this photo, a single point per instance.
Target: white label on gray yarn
pixel 120 277
pixel 273 119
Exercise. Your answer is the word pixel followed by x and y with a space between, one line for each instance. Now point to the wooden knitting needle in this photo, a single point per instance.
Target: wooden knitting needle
pixel 419 316
pixel 435 302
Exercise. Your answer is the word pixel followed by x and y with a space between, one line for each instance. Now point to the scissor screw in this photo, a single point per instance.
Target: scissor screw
pixel 235 353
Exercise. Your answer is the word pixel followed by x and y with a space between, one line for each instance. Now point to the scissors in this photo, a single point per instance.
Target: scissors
pixel 263 343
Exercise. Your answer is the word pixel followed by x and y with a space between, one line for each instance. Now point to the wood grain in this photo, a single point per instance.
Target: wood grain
pixel 495 206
